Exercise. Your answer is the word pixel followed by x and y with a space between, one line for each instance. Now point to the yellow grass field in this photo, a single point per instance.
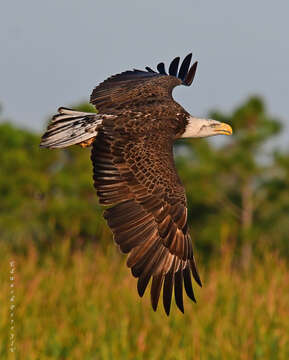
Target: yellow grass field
pixel 85 306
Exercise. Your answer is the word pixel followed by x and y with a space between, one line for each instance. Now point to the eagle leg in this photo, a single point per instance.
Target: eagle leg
pixel 87 142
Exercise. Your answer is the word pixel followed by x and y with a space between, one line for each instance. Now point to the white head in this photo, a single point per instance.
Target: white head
pixel 198 128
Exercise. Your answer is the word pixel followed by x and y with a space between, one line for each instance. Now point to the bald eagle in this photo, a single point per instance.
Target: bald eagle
pixel 132 138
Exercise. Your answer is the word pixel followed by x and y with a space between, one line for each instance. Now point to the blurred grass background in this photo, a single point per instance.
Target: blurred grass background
pixel 74 296
pixel 83 305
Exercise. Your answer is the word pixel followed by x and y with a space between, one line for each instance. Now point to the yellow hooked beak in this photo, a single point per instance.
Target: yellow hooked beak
pixel 223 129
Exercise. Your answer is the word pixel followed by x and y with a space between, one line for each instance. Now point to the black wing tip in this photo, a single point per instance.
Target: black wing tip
pixel 191 74
pixel 188 58
pixel 197 278
pixel 148 69
pixel 154 306
pixel 167 301
pixel 167 310
pixel 186 73
pixel 140 293
pixel 161 68
pixel 173 69
pixel 195 273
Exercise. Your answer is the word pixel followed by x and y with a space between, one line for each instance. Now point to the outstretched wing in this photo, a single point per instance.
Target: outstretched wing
pixel 137 175
pixel 137 88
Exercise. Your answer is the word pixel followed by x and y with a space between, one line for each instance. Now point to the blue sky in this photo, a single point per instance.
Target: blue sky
pixel 53 53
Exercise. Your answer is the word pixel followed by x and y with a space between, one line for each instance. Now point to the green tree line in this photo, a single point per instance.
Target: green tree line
pixel 236 195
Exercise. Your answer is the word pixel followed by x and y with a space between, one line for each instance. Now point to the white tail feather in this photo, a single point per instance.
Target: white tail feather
pixel 70 127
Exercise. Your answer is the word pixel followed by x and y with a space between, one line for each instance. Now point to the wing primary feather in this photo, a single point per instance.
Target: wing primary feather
pixel 188 283
pixel 156 290
pixel 143 283
pixel 149 269
pixel 168 289
pixel 195 272
pixel 179 290
pixel 191 74
pixel 161 68
pixel 173 69
pixel 185 67
pixel 149 69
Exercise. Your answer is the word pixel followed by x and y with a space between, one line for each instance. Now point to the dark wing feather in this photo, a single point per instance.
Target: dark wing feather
pixel 161 68
pixel 135 172
pixel 168 289
pixel 185 67
pixel 173 69
pixel 150 70
pixel 188 283
pixel 156 289
pixel 191 74
pixel 179 290
pixel 134 88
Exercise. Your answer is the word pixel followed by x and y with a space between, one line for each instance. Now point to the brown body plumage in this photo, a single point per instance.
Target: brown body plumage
pixel 134 171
